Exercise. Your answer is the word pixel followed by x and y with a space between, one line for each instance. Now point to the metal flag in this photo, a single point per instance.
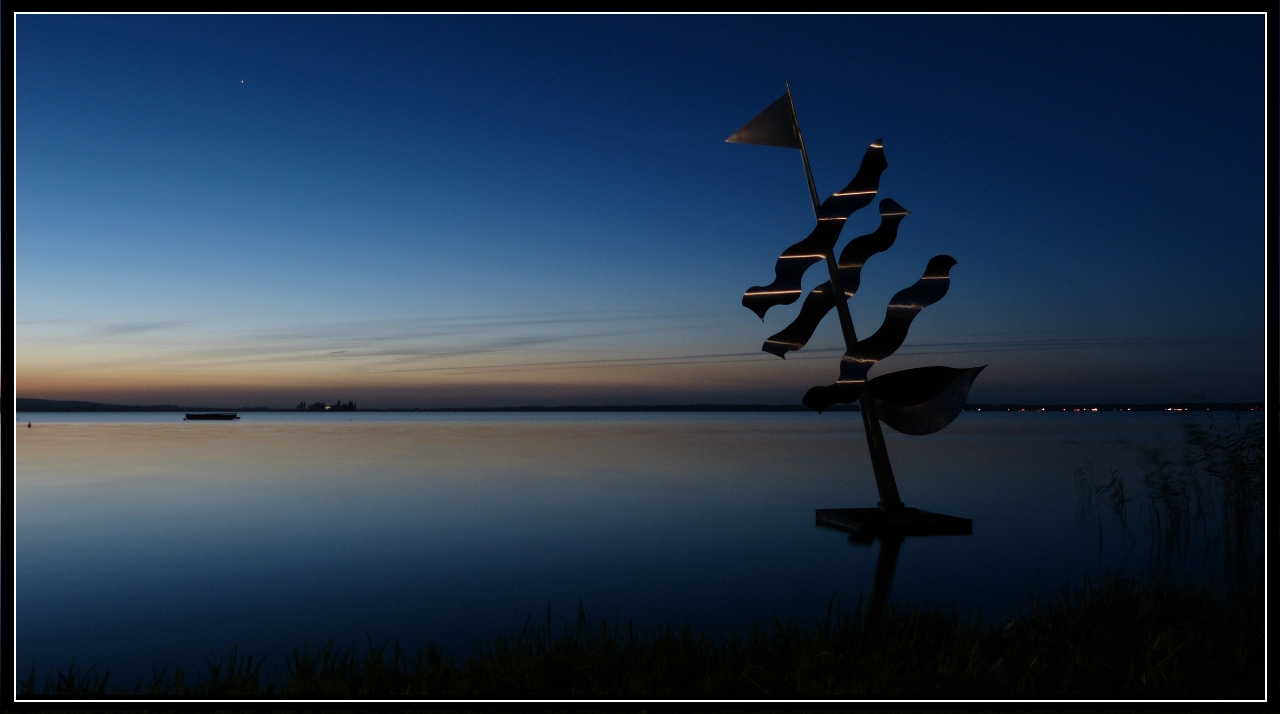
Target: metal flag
pixel 775 126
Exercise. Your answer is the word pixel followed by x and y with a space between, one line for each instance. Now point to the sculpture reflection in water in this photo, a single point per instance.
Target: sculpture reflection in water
pixel 913 401
pixel 886 564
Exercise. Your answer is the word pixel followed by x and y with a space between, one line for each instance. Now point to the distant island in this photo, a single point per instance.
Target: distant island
pixel 337 406
pixel 54 405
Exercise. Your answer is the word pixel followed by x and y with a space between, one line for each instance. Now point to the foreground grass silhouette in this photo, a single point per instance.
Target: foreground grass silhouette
pixel 1120 639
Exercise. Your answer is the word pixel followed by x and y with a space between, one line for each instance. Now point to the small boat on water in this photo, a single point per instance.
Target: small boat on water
pixel 212 416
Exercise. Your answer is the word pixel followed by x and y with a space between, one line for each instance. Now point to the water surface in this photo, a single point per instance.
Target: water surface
pixel 145 540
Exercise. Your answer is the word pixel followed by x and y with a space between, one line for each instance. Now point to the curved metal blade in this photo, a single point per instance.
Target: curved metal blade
pixel 822 298
pixel 785 288
pixel 903 308
pixel 794 261
pixel 794 336
pixel 862 189
pixel 855 255
pixel 819 398
pixel 923 400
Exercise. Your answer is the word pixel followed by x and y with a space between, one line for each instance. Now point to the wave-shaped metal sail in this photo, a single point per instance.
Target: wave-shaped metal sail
pixel 861 190
pixel 923 400
pixel 903 308
pixel 794 336
pixel 785 288
pixel 820 398
pixel 832 214
pixel 822 298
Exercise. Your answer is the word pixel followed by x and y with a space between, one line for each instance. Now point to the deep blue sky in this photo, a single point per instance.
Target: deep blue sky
pixel 435 211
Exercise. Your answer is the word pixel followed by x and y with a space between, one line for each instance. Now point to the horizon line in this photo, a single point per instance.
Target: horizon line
pixel 29 404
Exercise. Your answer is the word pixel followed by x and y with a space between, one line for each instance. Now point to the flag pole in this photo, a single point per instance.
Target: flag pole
pixel 886 485
pixel 842 305
pixel 808 173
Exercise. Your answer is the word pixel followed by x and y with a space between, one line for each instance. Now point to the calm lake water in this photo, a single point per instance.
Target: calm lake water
pixel 144 540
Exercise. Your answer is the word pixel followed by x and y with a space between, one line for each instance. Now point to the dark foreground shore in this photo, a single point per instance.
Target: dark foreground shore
pixel 1117 640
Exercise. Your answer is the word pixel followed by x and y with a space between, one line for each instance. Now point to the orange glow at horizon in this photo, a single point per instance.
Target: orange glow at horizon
pixel 130 375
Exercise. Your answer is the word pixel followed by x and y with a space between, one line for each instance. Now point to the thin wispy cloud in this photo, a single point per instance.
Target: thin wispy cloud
pixel 108 327
pixel 420 345
pixel 472 324
pixel 129 328
pixel 374 345
pixel 925 349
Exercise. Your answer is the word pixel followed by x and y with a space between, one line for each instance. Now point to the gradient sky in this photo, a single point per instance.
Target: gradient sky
pixel 479 211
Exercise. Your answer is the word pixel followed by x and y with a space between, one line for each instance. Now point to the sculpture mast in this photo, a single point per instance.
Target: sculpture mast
pixel 886 485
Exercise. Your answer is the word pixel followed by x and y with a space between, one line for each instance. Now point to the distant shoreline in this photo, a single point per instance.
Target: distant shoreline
pixel 54 405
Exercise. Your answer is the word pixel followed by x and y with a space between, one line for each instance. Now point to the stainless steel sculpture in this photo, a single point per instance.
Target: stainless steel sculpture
pixel 913 401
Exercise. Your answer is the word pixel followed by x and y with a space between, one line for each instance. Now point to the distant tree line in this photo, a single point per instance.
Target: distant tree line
pixel 337 406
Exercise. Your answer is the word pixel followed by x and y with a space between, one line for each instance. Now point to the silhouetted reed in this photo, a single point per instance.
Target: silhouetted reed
pixel 1202 496
pixel 1208 490
pixel 1119 639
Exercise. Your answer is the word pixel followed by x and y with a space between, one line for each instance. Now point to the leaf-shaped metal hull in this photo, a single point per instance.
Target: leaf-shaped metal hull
pixel 903 308
pixel 822 298
pixel 923 400
pixel 794 261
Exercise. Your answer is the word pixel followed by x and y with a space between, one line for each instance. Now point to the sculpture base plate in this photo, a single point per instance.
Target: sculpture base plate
pixel 872 522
